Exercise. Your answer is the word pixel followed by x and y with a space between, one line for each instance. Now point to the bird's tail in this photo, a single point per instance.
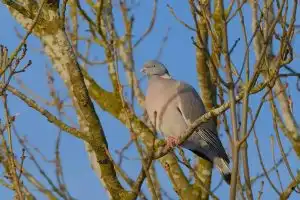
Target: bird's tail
pixel 224 169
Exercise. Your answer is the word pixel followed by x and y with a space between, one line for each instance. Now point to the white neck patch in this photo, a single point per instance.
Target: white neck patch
pixel 166 76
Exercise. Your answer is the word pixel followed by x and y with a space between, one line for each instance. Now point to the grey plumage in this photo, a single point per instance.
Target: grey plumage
pixel 177 105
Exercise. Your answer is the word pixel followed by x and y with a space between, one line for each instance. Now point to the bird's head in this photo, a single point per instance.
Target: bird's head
pixel 154 67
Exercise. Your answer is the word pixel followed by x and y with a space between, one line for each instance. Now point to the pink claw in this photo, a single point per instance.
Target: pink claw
pixel 172 141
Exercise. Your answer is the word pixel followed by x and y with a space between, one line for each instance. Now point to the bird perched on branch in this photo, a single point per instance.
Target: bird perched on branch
pixel 172 107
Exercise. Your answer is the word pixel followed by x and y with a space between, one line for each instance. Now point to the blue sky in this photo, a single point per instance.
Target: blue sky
pixel 178 55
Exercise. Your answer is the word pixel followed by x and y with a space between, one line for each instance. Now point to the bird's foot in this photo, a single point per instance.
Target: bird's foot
pixel 172 142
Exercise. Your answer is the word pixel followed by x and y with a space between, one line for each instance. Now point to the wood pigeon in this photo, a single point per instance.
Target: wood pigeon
pixel 174 105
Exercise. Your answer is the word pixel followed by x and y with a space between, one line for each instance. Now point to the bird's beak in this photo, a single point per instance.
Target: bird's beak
pixel 142 70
